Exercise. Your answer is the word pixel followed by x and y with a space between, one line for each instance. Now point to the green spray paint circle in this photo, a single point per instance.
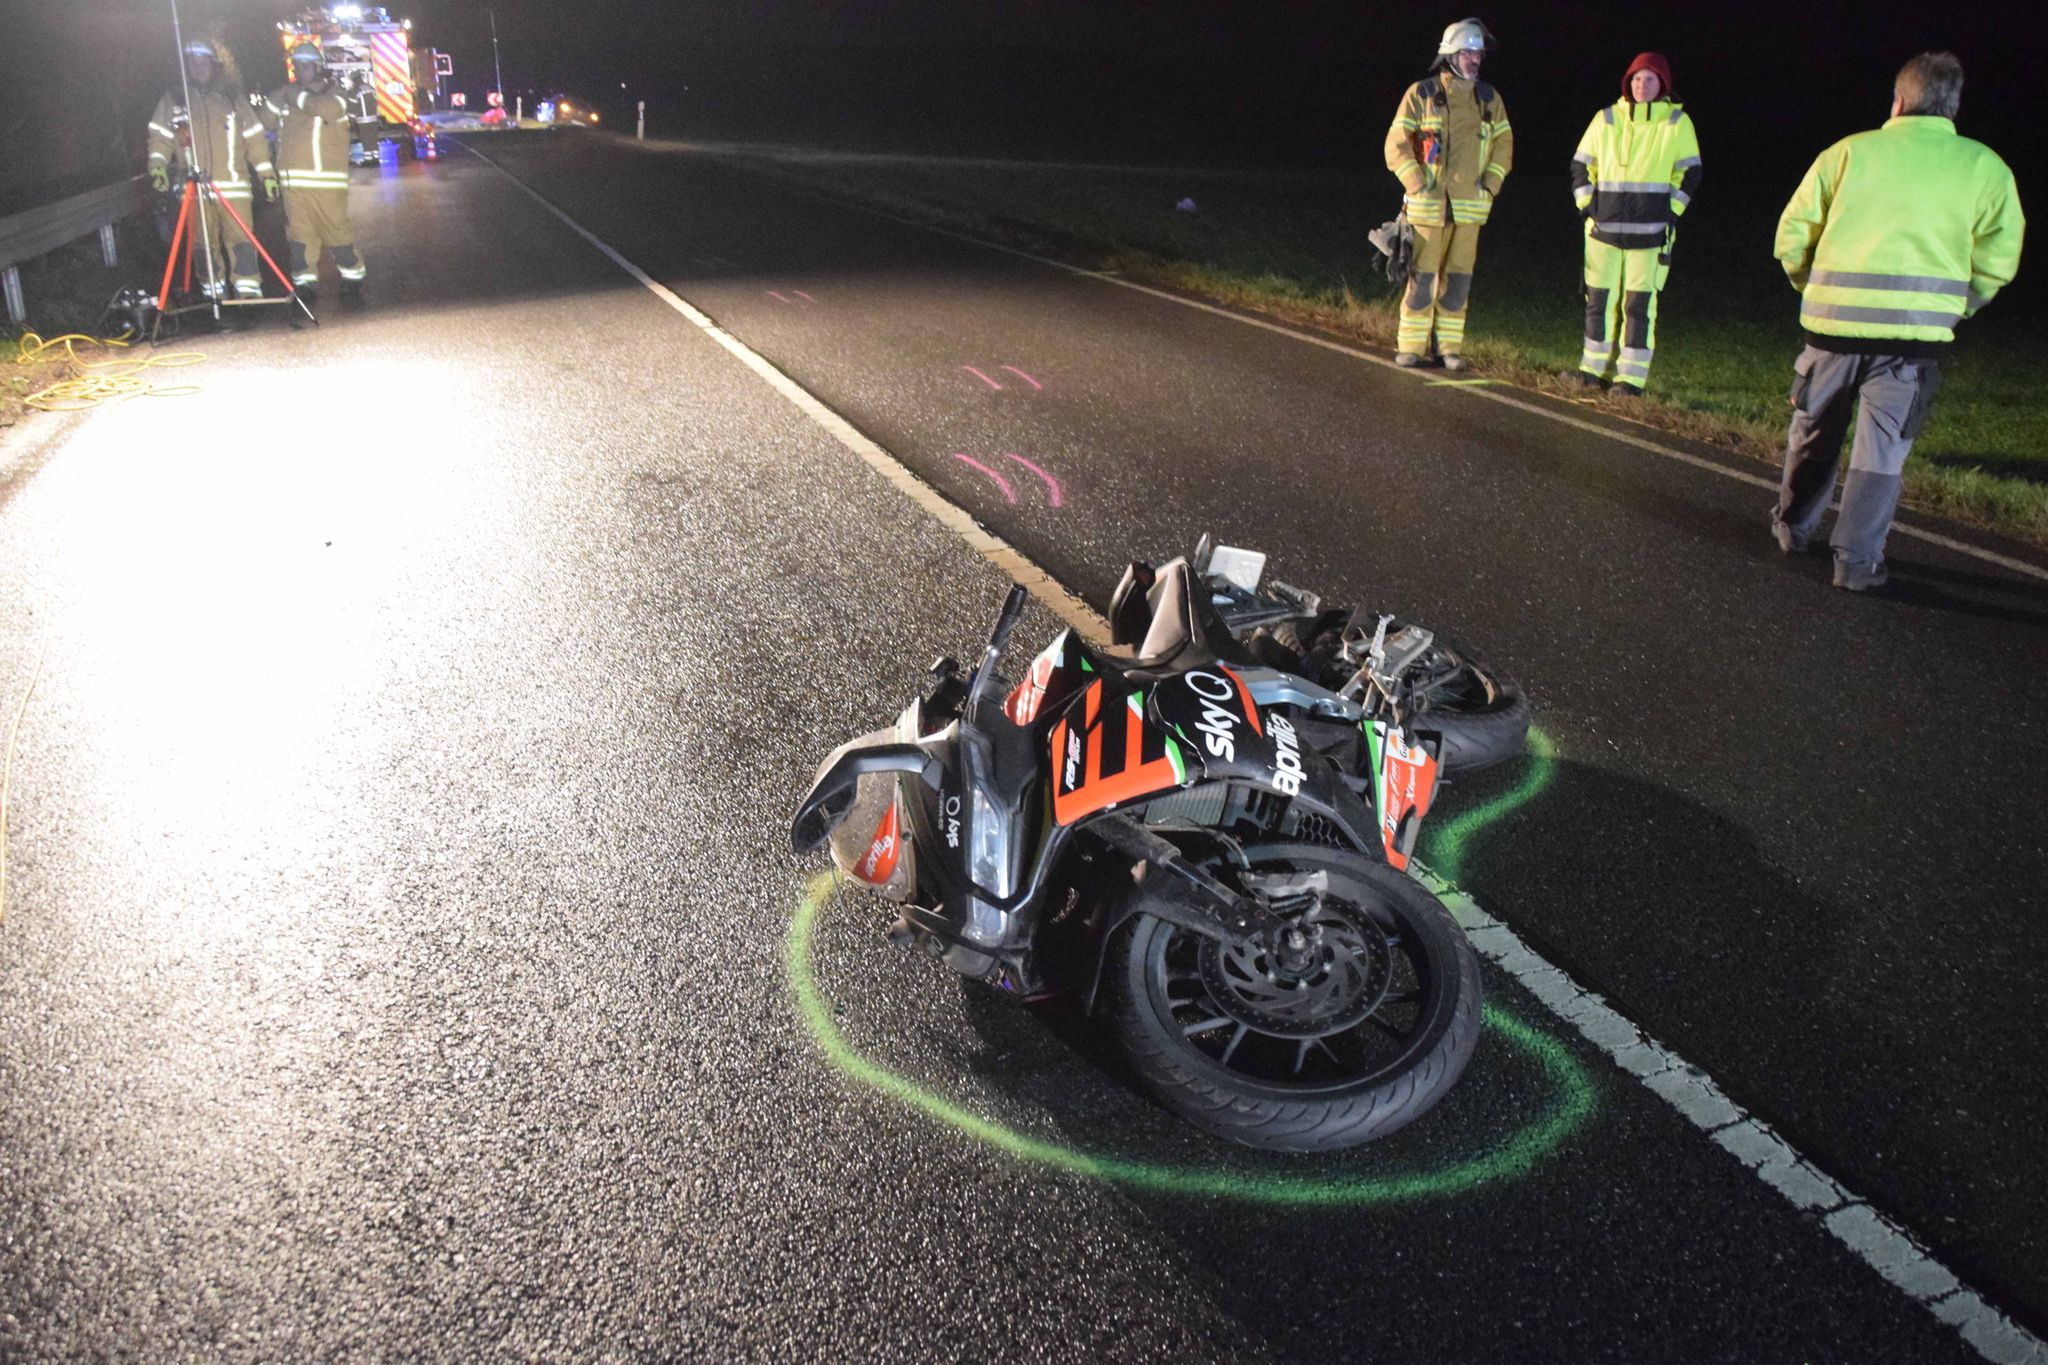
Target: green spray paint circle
pixel 1517 1155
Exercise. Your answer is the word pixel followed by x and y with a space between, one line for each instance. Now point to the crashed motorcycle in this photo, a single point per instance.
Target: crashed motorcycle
pixel 1201 833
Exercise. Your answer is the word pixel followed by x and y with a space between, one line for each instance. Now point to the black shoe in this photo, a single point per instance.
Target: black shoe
pixel 1588 380
pixel 1626 390
pixel 352 293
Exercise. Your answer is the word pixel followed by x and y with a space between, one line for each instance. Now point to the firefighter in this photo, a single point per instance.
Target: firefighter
pixel 1636 171
pixel 222 138
pixel 1893 237
pixel 1451 147
pixel 313 133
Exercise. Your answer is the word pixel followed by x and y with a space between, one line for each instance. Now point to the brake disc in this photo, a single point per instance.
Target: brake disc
pixel 1339 973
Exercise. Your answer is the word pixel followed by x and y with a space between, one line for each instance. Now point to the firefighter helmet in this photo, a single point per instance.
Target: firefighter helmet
pixel 1467 35
pixel 306 52
pixel 200 47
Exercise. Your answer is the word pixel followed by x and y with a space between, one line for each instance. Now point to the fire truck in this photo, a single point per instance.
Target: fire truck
pixel 372 58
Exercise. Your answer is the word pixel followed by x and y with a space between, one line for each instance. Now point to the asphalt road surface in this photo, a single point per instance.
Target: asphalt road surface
pixel 398 945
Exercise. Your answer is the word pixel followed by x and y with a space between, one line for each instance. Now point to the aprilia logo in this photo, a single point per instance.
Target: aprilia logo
pixel 1287 769
pixel 881 855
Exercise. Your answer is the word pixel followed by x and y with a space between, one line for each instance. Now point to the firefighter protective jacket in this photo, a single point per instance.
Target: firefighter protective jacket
pixel 1451 146
pixel 226 136
pixel 1636 171
pixel 313 134
pixel 1899 232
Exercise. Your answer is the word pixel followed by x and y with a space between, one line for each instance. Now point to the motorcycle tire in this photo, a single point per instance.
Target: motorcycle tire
pixel 1379 1027
pixel 1481 713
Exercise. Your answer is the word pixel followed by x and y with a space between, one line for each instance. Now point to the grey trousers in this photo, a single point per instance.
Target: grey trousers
pixel 1895 393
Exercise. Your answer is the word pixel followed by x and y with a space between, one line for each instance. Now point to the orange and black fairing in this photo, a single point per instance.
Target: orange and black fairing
pixel 1406 786
pixel 1106 753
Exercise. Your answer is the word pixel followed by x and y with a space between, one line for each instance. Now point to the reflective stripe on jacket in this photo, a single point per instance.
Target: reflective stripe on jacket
pixel 1451 147
pixel 226 136
pixel 1901 231
pixel 313 134
pixel 1636 171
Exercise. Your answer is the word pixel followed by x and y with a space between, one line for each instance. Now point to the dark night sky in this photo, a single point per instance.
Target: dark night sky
pixel 1187 81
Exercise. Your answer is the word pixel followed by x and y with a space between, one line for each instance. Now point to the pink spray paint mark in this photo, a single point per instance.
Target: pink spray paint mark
pixel 1025 377
pixel 998 479
pixel 784 298
pixel 982 377
pixel 802 295
pixel 1052 485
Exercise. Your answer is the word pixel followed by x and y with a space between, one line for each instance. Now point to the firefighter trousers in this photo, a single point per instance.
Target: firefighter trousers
pixel 317 218
pixel 1622 284
pixel 1439 288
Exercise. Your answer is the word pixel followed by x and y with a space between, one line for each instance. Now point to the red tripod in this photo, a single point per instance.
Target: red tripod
pixel 185 237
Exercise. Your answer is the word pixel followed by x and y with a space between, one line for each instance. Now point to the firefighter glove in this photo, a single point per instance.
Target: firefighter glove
pixel 270 189
pixel 160 179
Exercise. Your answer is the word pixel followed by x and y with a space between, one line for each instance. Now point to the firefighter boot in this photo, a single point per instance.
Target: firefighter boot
pixel 348 263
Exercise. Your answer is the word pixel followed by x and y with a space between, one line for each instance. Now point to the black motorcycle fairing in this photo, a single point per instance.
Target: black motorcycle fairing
pixel 1223 728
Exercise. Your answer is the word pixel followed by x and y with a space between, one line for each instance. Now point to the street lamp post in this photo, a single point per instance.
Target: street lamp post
pixel 496 66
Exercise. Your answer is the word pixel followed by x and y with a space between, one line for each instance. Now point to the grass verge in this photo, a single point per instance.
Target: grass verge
pixel 1292 246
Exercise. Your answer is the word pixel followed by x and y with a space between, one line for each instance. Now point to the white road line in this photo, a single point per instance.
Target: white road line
pixel 1881 1243
pixel 992 547
pixel 1488 392
pixel 1877 1240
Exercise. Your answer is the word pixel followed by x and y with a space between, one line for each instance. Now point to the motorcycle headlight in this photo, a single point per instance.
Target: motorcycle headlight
pixel 989 846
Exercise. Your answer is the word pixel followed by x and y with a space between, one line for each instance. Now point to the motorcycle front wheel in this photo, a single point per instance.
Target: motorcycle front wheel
pixel 1353 1024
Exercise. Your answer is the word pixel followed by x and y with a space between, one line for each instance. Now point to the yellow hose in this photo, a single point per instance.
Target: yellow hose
pixel 98 381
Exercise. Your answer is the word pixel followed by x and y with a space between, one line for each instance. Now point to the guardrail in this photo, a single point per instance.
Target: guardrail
pixel 32 232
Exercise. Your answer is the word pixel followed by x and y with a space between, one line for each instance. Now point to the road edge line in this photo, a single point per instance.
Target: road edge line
pixel 1873 1237
pixel 1008 560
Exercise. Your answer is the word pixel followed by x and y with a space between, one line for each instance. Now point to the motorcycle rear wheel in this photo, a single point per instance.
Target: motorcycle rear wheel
pixel 1481 713
pixel 1358 1042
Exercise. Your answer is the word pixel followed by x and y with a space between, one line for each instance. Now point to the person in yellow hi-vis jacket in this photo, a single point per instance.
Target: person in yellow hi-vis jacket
pixel 1893 237
pixel 1451 147
pixel 1635 173
pixel 311 117
pixel 222 138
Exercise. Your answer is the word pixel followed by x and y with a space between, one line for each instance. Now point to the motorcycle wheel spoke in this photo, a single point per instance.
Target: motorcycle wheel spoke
pixel 1399 1035
pixel 1204 1025
pixel 1235 1039
pixel 1301 1053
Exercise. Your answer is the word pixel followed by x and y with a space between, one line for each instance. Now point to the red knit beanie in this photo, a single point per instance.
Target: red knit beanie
pixel 1650 61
